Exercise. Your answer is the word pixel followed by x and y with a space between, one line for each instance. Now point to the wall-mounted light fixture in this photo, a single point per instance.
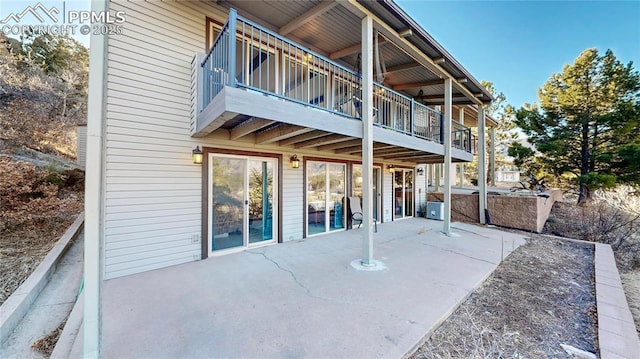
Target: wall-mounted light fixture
pixel 295 162
pixel 420 171
pixel 391 168
pixel 197 155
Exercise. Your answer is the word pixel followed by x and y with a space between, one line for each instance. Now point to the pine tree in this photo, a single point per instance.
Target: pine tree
pixel 587 122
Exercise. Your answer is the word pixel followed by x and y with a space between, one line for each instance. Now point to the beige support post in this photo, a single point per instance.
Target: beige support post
pixel 492 157
pixel 367 140
pixel 447 155
pixel 461 166
pixel 436 178
pixel 93 209
pixel 482 164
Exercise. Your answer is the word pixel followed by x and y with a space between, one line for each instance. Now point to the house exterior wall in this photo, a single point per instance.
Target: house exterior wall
pixel 153 192
pixel 152 188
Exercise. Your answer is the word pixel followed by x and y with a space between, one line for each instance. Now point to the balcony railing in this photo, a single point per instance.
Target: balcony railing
pixel 266 62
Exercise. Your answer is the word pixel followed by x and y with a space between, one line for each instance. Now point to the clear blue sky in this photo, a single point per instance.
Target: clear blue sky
pixel 518 44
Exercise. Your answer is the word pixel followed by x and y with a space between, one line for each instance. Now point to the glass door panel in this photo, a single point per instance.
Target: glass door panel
pixel 227 203
pixel 316 197
pixel 337 173
pixel 260 200
pixel 408 193
pixel 398 193
pixel 356 186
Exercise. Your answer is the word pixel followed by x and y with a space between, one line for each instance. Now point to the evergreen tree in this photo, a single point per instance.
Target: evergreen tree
pixel 587 122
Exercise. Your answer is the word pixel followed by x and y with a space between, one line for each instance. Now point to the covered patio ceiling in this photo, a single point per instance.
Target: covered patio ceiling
pixel 265 132
pixel 333 29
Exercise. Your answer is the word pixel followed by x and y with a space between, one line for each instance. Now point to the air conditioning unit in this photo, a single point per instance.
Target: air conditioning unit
pixel 435 210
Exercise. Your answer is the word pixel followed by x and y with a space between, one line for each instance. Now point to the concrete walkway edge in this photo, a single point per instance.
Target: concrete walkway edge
pixel 617 335
pixel 17 305
pixel 446 316
pixel 70 331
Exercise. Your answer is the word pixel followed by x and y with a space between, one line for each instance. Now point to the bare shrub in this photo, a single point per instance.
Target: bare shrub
pixel 612 217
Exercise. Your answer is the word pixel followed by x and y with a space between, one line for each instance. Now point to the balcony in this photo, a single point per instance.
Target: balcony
pixel 267 63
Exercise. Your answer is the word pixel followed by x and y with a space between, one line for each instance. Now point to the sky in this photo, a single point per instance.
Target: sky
pixel 518 45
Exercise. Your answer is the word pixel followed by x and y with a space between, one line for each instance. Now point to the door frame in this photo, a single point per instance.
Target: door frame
pixel 305 211
pixel 204 218
pixel 380 185
pixel 393 193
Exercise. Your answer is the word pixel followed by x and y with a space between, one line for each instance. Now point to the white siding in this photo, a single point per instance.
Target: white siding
pixel 153 190
pixel 81 145
pixel 387 190
pixel 293 199
pixel 420 188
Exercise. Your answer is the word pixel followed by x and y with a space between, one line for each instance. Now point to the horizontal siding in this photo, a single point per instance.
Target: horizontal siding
pixel 153 190
pixel 292 206
pixel 387 202
pixel 81 146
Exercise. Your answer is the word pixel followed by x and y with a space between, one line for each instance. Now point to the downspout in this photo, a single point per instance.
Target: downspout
pixel 94 190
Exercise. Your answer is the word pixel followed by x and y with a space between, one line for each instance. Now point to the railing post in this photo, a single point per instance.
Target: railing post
pixel 412 117
pixel 233 17
pixel 469 140
pixel 441 129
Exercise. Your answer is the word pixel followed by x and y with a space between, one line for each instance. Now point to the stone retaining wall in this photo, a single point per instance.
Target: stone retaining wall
pixel 513 211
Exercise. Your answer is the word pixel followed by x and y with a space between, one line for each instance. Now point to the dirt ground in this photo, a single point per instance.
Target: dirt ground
pixel 540 297
pixel 22 250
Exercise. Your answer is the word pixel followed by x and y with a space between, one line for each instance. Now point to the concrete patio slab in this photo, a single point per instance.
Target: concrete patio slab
pixel 303 298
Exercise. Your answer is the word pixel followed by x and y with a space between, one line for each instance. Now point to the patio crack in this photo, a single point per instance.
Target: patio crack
pixel 334 300
pixel 293 275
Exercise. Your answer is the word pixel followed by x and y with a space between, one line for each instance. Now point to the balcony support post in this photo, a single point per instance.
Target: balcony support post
pixel 448 102
pixel 461 116
pixel 233 17
pixel 367 141
pixel 482 170
pixel 492 156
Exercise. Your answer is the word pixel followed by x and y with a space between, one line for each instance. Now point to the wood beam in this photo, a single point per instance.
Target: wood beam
pixel 337 145
pixel 398 68
pixel 350 50
pixel 389 151
pixel 304 137
pixel 307 16
pixel 418 84
pixel 399 155
pixel 251 125
pixel 349 150
pixel 323 141
pixel 279 133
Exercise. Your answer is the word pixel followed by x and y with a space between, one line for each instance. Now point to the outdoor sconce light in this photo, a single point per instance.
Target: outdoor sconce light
pixel 420 171
pixel 197 155
pixel 295 162
pixel 391 169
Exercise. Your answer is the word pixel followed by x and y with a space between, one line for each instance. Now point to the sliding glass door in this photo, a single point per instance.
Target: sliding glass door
pixel 403 193
pixel 326 185
pixel 356 185
pixel 241 201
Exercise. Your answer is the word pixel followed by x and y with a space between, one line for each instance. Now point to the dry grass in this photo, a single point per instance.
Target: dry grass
pixel 36 207
pixel 46 344
pixel 541 296
pixel 631 284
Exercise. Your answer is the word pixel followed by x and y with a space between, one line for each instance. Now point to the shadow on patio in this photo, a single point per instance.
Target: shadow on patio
pixel 303 298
